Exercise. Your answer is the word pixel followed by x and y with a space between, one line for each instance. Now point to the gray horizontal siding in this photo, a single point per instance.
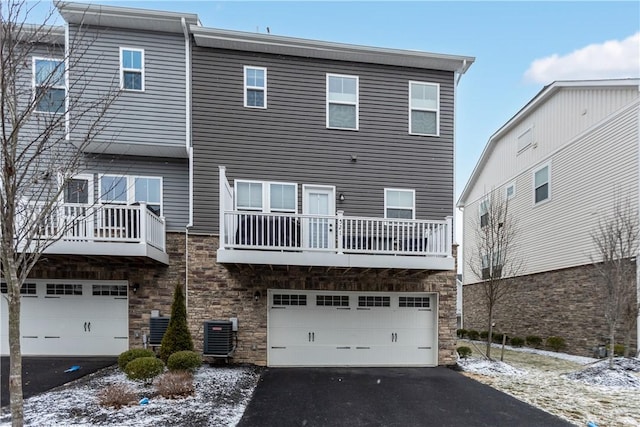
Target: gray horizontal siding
pixel 175 181
pixel 289 141
pixel 155 116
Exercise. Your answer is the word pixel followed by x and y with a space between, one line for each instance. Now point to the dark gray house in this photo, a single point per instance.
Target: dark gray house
pixel 301 187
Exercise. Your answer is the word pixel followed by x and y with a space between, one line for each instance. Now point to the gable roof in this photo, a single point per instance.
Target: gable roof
pixel 541 97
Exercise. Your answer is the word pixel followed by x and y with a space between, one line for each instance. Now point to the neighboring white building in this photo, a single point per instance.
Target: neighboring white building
pixel 562 160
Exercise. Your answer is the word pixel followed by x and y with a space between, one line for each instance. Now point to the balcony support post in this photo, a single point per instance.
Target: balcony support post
pixel 340 232
pixel 142 233
pixel 449 234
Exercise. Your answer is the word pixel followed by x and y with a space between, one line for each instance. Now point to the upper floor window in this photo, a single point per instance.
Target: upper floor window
pixel 49 85
pixel 484 212
pixel 541 184
pixel 424 108
pixel 510 191
pixel 342 101
pixel 255 87
pixel 266 196
pixel 131 69
pixel 399 203
pixel 132 189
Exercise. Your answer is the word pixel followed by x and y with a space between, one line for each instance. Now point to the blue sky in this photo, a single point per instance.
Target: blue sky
pixel 519 46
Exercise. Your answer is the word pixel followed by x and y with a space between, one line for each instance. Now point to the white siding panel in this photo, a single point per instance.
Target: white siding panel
pixel 586 177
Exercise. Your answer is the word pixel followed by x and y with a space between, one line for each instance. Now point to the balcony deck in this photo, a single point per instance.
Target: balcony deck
pixel 252 237
pixel 107 230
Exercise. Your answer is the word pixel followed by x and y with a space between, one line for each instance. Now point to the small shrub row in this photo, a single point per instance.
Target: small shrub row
pixel 461 333
pixel 116 396
pixel 556 343
pixel 175 384
pixel 134 353
pixel 464 351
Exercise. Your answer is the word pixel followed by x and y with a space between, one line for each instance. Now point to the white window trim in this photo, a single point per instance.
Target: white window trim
pixel 486 201
pixel 89 177
pixel 247 87
pixel 387 206
pixel 506 191
pixel 34 84
pixel 266 196
pixel 141 70
pixel 436 110
pixel 533 184
pixel 131 189
pixel 356 103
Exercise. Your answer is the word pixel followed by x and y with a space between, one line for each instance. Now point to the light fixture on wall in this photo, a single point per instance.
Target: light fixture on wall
pixel 341 197
pixel 354 158
pixel 256 295
pixel 135 287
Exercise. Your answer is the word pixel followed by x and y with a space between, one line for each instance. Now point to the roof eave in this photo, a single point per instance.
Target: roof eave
pixel 237 40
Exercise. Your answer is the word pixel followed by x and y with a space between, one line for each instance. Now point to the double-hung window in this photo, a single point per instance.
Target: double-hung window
pixel 399 203
pixel 541 184
pixel 424 108
pixel 255 87
pixel 266 196
pixel 484 212
pixel 49 85
pixel 131 69
pixel 342 101
pixel 132 189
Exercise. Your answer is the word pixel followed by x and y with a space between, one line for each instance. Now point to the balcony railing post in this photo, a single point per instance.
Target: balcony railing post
pixel 449 234
pixel 340 232
pixel 222 188
pixel 143 223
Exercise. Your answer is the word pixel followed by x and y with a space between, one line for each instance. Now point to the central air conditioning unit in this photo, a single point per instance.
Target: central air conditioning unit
pixel 218 338
pixel 157 328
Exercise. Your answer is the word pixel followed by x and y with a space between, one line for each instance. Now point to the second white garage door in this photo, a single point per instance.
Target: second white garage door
pixel 70 318
pixel 324 328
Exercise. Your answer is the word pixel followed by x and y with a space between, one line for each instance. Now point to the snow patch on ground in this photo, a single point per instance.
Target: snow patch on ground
pixel 221 396
pixel 621 375
pixel 489 367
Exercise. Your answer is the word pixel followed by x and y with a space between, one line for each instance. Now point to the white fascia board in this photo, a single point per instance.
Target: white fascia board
pixel 267 43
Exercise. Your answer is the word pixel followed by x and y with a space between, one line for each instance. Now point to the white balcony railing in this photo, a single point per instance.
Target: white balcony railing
pixel 337 234
pixel 102 223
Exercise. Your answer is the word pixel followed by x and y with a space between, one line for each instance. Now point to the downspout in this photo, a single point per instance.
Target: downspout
pixel 189 148
pixel 638 246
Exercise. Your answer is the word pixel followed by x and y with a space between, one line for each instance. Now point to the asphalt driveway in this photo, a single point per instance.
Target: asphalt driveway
pixel 384 397
pixel 40 374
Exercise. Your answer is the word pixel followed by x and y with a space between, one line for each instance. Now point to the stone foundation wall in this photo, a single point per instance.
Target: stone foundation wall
pixel 218 293
pixel 566 303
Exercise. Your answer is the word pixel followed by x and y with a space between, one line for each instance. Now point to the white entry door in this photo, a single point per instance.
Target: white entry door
pixel 340 328
pixel 319 233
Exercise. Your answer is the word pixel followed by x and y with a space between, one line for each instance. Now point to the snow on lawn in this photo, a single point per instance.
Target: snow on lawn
pixel 564 386
pixel 221 396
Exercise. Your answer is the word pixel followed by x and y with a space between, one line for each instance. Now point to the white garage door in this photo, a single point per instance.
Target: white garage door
pixel 70 318
pixel 324 328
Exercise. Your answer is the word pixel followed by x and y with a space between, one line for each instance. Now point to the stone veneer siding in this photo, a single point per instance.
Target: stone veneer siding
pixel 216 292
pixel 565 303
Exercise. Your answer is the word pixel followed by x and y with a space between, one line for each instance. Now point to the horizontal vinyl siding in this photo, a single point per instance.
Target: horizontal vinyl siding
pixel 289 140
pixel 175 182
pixel 567 114
pixel 155 116
pixel 586 177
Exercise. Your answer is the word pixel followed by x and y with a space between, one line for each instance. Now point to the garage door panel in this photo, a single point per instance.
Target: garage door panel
pixel 365 329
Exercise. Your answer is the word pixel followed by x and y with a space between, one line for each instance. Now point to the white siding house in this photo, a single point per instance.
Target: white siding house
pixel 577 142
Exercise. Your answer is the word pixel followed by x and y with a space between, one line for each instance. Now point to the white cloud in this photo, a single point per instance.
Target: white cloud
pixel 611 59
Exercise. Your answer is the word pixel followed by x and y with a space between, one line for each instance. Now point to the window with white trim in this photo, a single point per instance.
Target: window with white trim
pixel 132 189
pixel 342 101
pixel 78 190
pixel 255 87
pixel 484 212
pixel 510 191
pixel 49 85
pixel 131 69
pixel 541 184
pixel 265 196
pixel 424 108
pixel 399 203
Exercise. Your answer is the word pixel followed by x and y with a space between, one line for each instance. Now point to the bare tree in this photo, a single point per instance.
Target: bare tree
pixel 494 256
pixel 47 123
pixel 616 243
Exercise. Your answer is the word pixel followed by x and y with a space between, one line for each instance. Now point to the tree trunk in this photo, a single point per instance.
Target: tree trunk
pixel 490 329
pixel 612 340
pixel 15 354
